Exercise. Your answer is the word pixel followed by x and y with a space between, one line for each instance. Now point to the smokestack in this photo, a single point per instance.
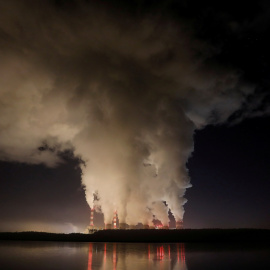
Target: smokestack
pixel 114 219
pixel 92 218
pixel 179 224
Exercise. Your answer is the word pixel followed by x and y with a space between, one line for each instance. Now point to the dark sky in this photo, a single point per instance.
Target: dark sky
pixel 229 170
pixel 58 56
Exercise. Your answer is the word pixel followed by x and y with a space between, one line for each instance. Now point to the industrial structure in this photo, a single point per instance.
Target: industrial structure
pixel 124 226
pixel 179 224
pixel 114 219
pixel 91 228
pixel 92 218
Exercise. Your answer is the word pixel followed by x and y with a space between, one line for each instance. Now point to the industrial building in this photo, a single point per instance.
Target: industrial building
pixel 124 226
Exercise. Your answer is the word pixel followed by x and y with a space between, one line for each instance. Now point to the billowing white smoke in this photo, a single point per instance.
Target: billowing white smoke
pixel 124 94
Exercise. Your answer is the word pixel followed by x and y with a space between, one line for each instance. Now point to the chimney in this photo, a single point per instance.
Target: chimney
pixel 92 218
pixel 114 219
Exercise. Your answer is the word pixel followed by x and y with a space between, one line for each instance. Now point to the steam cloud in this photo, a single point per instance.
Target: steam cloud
pixel 124 93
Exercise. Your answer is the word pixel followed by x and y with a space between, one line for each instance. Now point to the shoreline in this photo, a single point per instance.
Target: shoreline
pixel 247 236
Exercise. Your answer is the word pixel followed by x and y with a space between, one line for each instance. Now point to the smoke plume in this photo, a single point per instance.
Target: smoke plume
pixel 123 92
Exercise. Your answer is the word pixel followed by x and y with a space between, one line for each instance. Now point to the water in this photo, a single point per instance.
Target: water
pixel 122 256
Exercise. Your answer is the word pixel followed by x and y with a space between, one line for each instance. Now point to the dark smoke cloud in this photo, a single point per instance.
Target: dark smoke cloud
pixel 124 92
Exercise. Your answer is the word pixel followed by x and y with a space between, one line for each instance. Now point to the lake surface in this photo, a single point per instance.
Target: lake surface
pixel 133 256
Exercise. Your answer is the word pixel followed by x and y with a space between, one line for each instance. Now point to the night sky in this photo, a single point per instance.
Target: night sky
pixel 220 63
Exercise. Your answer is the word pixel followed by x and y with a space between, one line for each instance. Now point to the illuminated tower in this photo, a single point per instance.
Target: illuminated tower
pixel 114 219
pixel 92 218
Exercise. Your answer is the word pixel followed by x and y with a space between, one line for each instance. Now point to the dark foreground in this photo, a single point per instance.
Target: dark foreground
pixel 150 236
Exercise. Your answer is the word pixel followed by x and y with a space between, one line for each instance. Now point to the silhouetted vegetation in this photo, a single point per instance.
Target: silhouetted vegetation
pixel 149 236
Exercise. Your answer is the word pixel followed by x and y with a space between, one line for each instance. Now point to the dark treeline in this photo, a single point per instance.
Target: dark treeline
pixel 149 236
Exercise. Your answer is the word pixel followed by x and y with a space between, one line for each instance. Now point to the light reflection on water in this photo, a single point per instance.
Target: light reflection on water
pixel 136 256
pixel 123 256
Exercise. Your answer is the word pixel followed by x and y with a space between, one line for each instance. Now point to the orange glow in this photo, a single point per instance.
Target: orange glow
pixel 148 252
pixel 178 252
pixel 90 256
pixel 105 252
pixel 114 257
pixel 169 251
pixel 160 253
pixel 183 255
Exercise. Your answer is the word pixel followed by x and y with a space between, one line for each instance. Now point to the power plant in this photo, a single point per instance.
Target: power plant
pixel 115 224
